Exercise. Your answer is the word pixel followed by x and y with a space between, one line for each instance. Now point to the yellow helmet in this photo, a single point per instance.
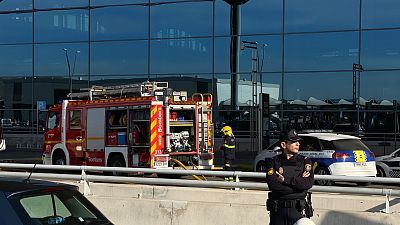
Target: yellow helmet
pixel 226 130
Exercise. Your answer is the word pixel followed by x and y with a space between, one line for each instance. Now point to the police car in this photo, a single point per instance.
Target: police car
pixel 330 153
pixel 389 165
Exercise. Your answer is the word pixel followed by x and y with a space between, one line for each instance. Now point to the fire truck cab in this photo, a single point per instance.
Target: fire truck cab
pixel 138 125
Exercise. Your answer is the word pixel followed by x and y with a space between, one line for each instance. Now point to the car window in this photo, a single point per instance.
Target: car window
pixel 349 144
pixel 30 204
pixel 62 207
pixel 309 144
pixel 327 145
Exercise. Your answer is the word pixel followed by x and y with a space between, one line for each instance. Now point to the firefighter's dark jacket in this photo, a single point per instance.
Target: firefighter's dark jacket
pixel 229 147
pixel 295 186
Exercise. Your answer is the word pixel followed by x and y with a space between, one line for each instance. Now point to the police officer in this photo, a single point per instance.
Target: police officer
pixel 289 177
pixel 228 147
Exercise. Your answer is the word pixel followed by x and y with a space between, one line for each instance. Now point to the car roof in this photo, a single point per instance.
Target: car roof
pixel 12 186
pixel 329 136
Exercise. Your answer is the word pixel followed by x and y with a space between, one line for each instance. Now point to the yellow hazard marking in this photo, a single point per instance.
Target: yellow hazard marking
pixel 360 156
pixel 153 124
pixel 95 138
pixel 51 142
pixel 72 141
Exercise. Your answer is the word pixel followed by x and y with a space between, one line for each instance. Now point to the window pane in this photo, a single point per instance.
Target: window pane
pixel 190 55
pixel 116 2
pixel 9 5
pixel 327 51
pixel 15 60
pixel 260 16
pixel 114 23
pixel 272 54
pixel 18 27
pixel 380 49
pixel 51 59
pixel 318 85
pixel 271 85
pixel 315 15
pixel 181 20
pixel 40 4
pixel 119 58
pixel 379 14
pixel 380 85
pixel 65 25
pixel 257 17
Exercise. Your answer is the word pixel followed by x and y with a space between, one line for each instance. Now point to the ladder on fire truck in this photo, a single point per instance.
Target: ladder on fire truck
pixel 128 90
pixel 205 126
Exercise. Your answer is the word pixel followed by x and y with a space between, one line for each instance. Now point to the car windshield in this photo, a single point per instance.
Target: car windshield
pixel 64 208
pixel 349 144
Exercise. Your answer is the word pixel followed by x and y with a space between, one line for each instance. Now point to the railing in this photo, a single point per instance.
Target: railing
pixel 237 184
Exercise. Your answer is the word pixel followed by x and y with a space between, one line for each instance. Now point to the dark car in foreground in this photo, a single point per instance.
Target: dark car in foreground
pixel 36 202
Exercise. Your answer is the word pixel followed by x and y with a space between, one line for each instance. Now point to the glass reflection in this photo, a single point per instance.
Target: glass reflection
pixel 18 27
pixel 45 4
pixel 326 51
pixel 116 2
pixel 260 17
pixel 380 85
pixel 190 55
pixel 111 23
pixel 15 60
pixel 119 58
pixel 380 49
pixel 64 25
pixel 181 20
pixel 270 56
pixel 51 60
pixel 380 14
pixel 315 15
pixel 10 5
pixel 302 86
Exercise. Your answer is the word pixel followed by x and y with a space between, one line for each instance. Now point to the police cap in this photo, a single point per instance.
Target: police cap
pixel 290 135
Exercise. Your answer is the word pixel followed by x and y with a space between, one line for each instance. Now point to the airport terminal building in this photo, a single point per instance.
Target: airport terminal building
pixel 321 62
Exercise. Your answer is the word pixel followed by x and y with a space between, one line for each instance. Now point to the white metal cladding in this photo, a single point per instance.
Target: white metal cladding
pixel 95 129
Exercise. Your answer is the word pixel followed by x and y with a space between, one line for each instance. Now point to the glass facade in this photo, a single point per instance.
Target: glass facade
pixel 305 50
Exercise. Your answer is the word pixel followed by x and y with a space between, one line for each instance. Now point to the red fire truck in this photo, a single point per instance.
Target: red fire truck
pixel 138 125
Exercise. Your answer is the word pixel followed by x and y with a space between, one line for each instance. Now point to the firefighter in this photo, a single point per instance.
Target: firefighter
pixel 289 177
pixel 228 147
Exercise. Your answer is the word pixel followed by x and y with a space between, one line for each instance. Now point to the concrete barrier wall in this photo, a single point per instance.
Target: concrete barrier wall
pixel 126 204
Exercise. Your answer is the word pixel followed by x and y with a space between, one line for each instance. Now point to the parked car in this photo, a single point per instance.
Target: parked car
pixel 330 153
pixel 42 203
pixel 389 165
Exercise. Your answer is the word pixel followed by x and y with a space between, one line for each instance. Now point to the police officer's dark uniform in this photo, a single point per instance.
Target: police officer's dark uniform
pixel 286 199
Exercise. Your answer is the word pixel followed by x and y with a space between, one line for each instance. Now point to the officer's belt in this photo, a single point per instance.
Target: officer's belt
pixel 289 203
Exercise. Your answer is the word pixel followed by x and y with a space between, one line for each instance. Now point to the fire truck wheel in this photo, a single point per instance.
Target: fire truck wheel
pixel 116 161
pixel 59 158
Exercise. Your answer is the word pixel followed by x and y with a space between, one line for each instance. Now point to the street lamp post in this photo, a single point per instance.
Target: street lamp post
pixel 73 69
pixel 69 69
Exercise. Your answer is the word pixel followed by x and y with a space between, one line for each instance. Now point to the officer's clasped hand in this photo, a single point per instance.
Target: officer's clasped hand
pixel 281 178
pixel 306 174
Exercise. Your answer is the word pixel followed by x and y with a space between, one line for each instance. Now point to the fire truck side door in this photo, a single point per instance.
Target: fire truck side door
pixel 95 137
pixel 75 136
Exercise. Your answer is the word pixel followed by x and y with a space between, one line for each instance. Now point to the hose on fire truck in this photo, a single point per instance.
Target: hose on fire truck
pixel 184 167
